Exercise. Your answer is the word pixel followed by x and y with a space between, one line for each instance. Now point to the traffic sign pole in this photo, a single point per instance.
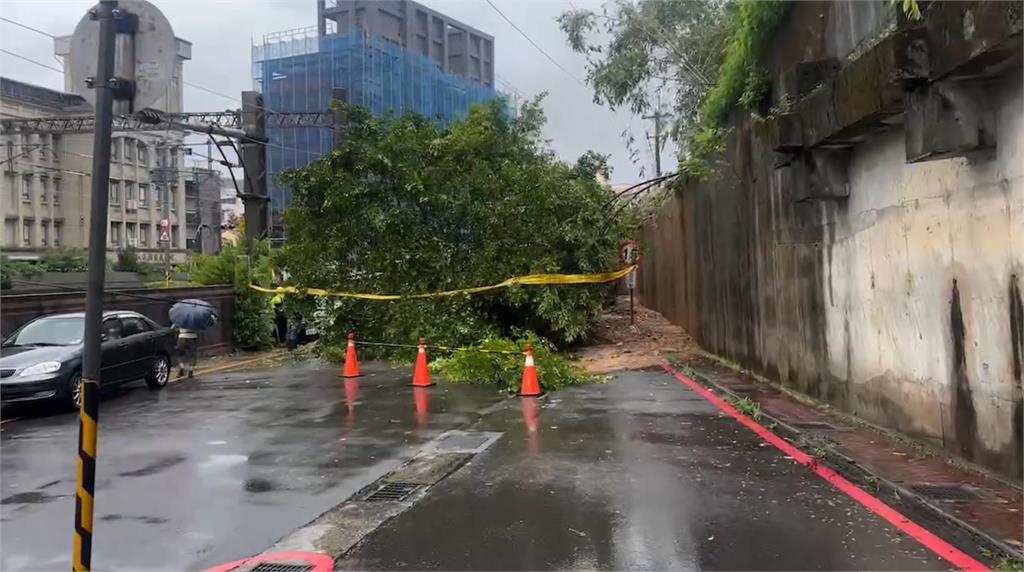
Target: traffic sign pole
pixel 88 417
pixel 629 254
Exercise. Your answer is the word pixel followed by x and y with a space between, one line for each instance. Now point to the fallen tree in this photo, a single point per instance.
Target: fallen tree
pixel 405 206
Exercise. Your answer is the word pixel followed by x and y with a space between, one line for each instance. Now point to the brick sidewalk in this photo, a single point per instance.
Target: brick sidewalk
pixel 918 478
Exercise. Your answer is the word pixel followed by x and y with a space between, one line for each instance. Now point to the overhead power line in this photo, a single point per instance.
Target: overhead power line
pixel 539 49
pixel 27 27
pixel 213 92
pixel 30 60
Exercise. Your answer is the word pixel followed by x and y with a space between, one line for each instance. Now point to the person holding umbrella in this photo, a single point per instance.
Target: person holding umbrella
pixel 191 316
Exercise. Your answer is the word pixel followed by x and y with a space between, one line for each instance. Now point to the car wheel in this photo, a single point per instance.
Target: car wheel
pixel 160 374
pixel 73 399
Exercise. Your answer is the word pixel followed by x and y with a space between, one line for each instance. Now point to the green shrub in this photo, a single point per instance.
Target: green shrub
pixel 254 315
pixel 11 270
pixel 127 260
pixel 505 370
pixel 65 260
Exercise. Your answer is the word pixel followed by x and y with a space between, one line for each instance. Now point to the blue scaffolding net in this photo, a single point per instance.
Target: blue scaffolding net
pixel 300 73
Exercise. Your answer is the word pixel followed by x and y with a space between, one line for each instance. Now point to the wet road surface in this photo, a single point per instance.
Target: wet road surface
pixel 640 473
pixel 216 469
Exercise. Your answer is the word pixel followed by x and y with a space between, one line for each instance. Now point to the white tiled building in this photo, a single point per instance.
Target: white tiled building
pixel 47 178
pixel 47 182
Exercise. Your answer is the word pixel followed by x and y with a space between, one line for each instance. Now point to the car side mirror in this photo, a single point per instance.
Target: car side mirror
pixel 104 337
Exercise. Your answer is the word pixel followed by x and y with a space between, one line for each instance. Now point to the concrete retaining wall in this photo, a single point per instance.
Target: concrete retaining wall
pixel 900 302
pixel 16 309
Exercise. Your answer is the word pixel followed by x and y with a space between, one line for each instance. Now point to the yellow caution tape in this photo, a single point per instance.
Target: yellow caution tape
pixel 528 280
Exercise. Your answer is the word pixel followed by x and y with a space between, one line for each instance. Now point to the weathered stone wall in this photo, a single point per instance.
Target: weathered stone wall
pixel 900 302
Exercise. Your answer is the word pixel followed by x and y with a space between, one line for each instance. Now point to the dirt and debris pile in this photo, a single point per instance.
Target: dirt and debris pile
pixel 618 345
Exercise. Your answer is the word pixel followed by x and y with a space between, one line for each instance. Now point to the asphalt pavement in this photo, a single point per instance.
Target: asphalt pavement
pixel 637 473
pixel 215 469
pixel 640 473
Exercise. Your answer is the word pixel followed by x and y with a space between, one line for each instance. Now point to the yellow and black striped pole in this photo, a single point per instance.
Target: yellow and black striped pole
pixel 85 492
pixel 106 13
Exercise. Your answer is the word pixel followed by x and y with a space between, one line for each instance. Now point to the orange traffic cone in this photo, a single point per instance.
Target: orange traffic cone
pixel 531 411
pixel 351 363
pixel 421 398
pixel 421 375
pixel 531 385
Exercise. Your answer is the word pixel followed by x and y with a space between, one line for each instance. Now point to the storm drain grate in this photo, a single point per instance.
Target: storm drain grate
pixel 945 491
pixel 281 567
pixel 393 492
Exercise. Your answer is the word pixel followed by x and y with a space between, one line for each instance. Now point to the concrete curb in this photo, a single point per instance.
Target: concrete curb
pixel 862 476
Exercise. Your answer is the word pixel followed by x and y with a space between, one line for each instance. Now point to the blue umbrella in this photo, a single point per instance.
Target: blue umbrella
pixel 193 314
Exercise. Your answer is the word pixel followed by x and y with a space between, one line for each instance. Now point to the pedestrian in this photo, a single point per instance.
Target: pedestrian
pixel 280 319
pixel 187 342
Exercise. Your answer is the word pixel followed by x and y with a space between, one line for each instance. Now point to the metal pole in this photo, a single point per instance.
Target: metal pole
pixel 631 318
pixel 657 149
pixel 88 418
pixel 165 192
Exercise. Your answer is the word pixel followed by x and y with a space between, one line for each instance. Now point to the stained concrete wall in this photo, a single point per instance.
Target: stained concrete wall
pixel 900 303
pixel 920 270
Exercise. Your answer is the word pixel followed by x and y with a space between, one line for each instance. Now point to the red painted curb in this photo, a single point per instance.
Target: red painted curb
pixel 940 547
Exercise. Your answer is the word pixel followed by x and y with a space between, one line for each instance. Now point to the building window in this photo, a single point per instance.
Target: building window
pixel 129 150
pixel 143 194
pixel 129 191
pixel 131 232
pixel 46 233
pixel 143 154
pixel 115 192
pixel 42 189
pixel 26 232
pixel 143 235
pixel 56 191
pixel 174 235
pixel 58 234
pixel 173 198
pixel 57 146
pixel 10 233
pixel 26 188
pixel 115 149
pixel 115 233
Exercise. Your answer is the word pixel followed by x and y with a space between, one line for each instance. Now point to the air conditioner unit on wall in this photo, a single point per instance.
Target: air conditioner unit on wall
pixel 131 205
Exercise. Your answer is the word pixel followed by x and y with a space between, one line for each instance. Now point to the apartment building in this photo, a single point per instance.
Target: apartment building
pixel 46 181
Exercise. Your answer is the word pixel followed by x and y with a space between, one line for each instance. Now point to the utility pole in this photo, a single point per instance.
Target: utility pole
pixel 254 161
pixel 657 117
pixel 163 190
pixel 104 84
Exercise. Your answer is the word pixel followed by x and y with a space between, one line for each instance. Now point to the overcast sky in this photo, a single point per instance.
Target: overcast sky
pixel 221 32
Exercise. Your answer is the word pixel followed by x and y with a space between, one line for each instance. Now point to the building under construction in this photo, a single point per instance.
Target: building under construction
pixel 388 56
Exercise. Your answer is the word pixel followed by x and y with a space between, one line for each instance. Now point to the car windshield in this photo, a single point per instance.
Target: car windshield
pixel 64 331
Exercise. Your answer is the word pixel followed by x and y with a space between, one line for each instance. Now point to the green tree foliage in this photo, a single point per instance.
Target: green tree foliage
pixel 254 316
pixel 706 52
pixel 505 370
pixel 638 50
pixel 406 207
pixel 741 77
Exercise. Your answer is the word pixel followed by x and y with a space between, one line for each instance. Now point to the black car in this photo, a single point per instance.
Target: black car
pixel 42 360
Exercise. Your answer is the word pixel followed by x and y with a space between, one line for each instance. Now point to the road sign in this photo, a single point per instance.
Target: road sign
pixel 629 252
pixel 164 223
pixel 165 236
